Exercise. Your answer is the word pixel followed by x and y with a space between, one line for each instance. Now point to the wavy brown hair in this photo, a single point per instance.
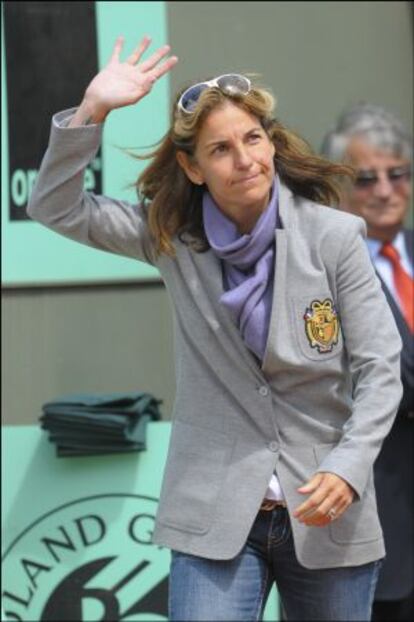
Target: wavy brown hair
pixel 173 203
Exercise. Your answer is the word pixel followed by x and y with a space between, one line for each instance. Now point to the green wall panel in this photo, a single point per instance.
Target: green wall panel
pixel 82 551
pixel 33 255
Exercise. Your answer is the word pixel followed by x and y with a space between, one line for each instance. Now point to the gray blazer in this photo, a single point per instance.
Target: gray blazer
pixel 320 401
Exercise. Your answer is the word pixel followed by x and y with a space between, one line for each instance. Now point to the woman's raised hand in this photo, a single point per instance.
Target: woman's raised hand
pixel 124 83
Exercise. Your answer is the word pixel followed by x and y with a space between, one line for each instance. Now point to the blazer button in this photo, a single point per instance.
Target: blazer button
pixel 264 391
pixel 273 446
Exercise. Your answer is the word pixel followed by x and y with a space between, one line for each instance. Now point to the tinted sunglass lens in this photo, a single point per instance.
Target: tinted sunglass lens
pixel 234 84
pixel 366 182
pixel 395 175
pixel 191 96
pixel 398 174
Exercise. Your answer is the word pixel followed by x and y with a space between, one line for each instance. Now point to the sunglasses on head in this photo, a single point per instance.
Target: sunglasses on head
pixel 395 175
pixel 230 83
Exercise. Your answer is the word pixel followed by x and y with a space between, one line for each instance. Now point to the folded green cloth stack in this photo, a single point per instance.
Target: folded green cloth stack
pixel 97 424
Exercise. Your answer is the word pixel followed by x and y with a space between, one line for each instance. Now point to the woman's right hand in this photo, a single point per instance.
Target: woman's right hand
pixel 125 83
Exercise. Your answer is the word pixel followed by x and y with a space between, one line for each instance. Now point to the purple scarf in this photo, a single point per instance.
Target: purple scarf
pixel 248 267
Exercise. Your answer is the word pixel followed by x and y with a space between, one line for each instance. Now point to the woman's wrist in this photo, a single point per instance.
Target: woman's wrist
pixel 86 114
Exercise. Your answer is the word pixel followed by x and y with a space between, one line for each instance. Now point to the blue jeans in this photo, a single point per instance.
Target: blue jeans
pixel 237 589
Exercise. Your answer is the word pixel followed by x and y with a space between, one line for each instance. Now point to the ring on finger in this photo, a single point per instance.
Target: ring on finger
pixel 332 514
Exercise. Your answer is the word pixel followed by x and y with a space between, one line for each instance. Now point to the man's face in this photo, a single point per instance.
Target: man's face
pixel 381 193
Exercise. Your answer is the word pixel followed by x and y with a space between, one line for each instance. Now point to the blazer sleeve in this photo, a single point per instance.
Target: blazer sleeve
pixel 373 347
pixel 59 201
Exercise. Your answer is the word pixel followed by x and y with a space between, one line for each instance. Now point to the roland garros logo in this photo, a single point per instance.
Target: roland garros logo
pixel 90 559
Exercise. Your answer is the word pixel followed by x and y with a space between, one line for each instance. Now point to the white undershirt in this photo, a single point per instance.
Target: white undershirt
pixel 274 490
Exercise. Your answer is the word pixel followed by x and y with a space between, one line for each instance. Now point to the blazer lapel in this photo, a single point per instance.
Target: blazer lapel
pixel 409 241
pixel 398 316
pixel 396 311
pixel 279 286
pixel 279 282
pixel 207 270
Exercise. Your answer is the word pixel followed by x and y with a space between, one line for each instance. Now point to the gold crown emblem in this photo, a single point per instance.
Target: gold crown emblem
pixel 322 325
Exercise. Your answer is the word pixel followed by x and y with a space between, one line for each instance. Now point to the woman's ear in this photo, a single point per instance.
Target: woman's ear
pixel 190 168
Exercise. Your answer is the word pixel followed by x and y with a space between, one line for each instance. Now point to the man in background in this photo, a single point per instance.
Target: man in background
pixel 377 145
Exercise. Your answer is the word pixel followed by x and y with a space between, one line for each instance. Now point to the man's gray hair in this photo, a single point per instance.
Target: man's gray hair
pixel 374 125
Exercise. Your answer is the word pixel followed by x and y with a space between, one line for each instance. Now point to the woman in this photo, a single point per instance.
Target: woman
pixel 287 355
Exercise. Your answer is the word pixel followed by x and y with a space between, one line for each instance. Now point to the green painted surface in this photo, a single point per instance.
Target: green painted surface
pixel 31 254
pixel 63 515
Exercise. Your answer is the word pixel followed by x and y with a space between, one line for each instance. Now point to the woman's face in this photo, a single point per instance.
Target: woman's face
pixel 234 158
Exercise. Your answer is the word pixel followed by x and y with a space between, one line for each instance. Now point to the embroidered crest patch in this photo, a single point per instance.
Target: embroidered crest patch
pixel 322 325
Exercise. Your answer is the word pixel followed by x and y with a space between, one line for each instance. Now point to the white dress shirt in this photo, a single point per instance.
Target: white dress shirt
pixel 384 267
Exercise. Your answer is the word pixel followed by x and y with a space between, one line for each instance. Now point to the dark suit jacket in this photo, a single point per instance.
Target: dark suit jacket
pixel 394 474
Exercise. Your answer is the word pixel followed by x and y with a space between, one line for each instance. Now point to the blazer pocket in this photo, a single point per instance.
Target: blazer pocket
pixel 195 471
pixel 316 326
pixel 359 523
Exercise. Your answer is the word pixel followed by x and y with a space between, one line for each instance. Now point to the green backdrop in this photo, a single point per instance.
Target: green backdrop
pixel 76 532
pixel 32 254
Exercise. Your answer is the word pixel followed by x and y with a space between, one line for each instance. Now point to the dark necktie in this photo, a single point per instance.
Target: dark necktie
pixel 403 283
